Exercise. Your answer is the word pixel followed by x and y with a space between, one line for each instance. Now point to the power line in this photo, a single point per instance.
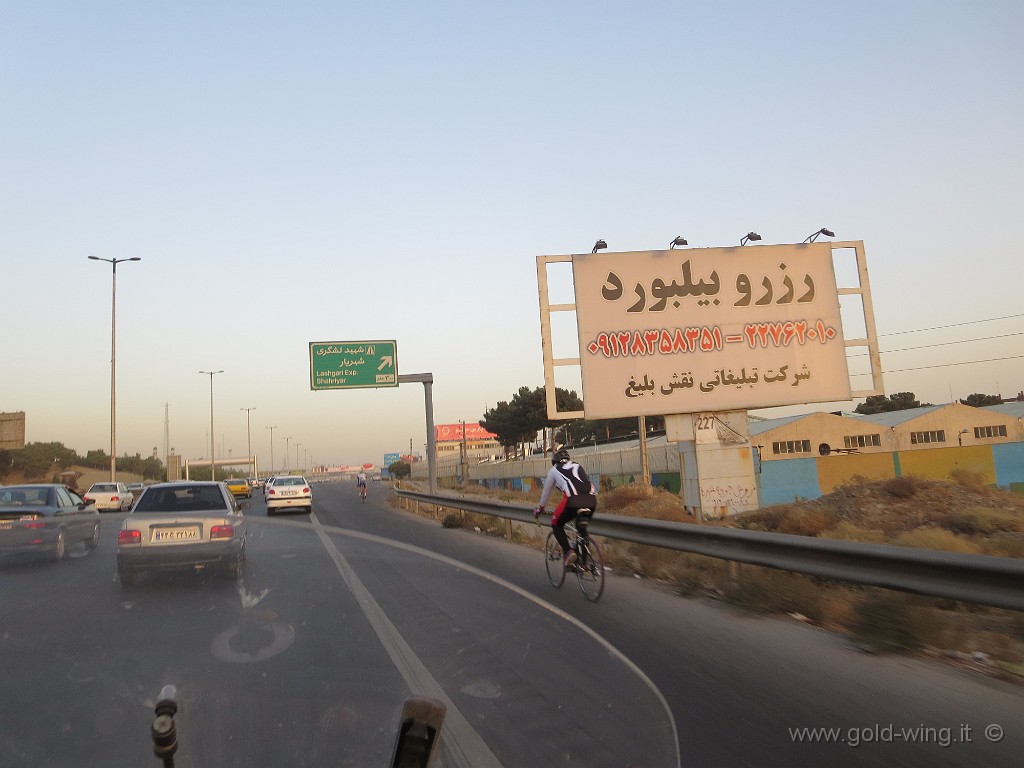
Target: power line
pixel 946 365
pixel 944 343
pixel 954 325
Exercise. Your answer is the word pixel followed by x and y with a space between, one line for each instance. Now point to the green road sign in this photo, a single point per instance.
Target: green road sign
pixel 352 364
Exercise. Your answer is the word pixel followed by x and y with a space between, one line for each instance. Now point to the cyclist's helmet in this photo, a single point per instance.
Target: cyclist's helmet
pixel 560 456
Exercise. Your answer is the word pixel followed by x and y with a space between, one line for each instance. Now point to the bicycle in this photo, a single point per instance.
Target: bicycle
pixel 589 565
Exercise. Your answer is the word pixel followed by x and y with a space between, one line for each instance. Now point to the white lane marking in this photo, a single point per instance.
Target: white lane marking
pixel 464 744
pixel 625 660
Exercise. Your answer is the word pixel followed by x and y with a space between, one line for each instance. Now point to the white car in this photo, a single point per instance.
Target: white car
pixel 110 497
pixel 182 526
pixel 289 491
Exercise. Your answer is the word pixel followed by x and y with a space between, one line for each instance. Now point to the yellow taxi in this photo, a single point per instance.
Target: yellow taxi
pixel 239 486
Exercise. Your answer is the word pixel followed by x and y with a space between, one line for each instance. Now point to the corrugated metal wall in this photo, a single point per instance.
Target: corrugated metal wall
pixel 779 481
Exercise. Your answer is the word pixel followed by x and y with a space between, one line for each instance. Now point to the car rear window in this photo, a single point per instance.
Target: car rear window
pixel 23 497
pixel 188 498
pixel 107 488
pixel 290 481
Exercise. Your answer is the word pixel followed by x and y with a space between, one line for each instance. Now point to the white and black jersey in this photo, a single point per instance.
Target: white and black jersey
pixel 570 478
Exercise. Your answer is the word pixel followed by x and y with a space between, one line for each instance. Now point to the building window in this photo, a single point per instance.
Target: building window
pixel 935 436
pixel 792 446
pixel 982 432
pixel 862 441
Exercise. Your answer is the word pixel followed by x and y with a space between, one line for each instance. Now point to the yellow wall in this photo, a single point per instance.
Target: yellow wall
pixel 834 471
pixel 937 463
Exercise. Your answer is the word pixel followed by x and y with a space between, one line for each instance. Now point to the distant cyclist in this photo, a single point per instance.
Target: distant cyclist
pixel 361 484
pixel 577 492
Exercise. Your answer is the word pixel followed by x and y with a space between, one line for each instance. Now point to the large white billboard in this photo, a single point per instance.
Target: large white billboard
pixel 708 329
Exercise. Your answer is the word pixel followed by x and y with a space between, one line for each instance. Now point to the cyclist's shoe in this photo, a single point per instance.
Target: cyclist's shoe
pixel 569 560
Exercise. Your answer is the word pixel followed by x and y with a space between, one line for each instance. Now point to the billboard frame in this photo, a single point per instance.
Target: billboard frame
pixel 869 340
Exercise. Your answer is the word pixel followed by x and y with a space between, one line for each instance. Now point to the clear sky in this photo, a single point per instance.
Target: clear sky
pixel 318 171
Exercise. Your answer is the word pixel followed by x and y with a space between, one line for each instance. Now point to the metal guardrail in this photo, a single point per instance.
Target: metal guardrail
pixel 994 581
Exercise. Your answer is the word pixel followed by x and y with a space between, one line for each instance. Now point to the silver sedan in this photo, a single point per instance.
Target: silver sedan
pixel 46 518
pixel 182 526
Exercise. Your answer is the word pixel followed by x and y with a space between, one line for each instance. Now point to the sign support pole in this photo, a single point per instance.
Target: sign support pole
pixel 427 379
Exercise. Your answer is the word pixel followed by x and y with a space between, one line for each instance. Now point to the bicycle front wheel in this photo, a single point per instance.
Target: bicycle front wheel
pixel 590 569
pixel 553 561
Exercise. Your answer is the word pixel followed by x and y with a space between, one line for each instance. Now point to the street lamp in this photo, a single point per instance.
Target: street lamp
pixel 297 456
pixel 248 434
pixel 286 459
pixel 113 360
pixel 749 236
pixel 678 241
pixel 600 245
pixel 213 444
pixel 272 447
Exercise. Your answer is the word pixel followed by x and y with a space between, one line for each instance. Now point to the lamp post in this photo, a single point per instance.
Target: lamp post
pixel 286 458
pixel 113 360
pixel 748 237
pixel 272 447
pixel 297 456
pixel 213 442
pixel 248 433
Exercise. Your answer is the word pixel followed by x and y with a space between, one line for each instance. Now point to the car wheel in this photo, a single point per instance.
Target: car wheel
pixel 128 578
pixel 93 541
pixel 60 546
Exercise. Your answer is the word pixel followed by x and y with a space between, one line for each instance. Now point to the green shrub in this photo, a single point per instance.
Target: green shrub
pixel 453 520
pixel 892 621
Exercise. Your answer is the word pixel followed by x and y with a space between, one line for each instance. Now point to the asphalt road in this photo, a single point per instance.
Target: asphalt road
pixel 342 615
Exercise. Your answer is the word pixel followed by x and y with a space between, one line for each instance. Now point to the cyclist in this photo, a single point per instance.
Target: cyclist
pixel 361 483
pixel 577 493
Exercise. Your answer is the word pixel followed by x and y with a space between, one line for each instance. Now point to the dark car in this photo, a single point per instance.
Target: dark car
pixel 46 518
pixel 182 526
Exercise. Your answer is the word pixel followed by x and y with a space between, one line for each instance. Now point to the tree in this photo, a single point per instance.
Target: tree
pixel 38 460
pixel 899 401
pixel 96 459
pixel 978 400
pixel 399 470
pixel 519 420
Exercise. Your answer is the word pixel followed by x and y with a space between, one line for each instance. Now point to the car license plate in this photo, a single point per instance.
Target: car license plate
pixel 289 493
pixel 190 533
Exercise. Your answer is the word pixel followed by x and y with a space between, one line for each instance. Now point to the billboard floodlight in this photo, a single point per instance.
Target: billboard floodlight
pixel 823 231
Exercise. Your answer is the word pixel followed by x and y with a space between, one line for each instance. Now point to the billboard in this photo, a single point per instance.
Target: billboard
pixel 12 430
pixel 708 329
pixel 446 433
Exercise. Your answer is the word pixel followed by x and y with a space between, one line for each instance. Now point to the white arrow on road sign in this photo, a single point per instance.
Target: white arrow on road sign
pixel 388 361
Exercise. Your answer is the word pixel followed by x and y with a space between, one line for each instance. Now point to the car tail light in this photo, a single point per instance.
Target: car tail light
pixel 306 489
pixel 271 491
pixel 129 537
pixel 222 531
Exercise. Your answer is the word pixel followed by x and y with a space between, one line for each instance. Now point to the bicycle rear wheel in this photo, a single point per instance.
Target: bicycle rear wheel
pixel 553 561
pixel 590 569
